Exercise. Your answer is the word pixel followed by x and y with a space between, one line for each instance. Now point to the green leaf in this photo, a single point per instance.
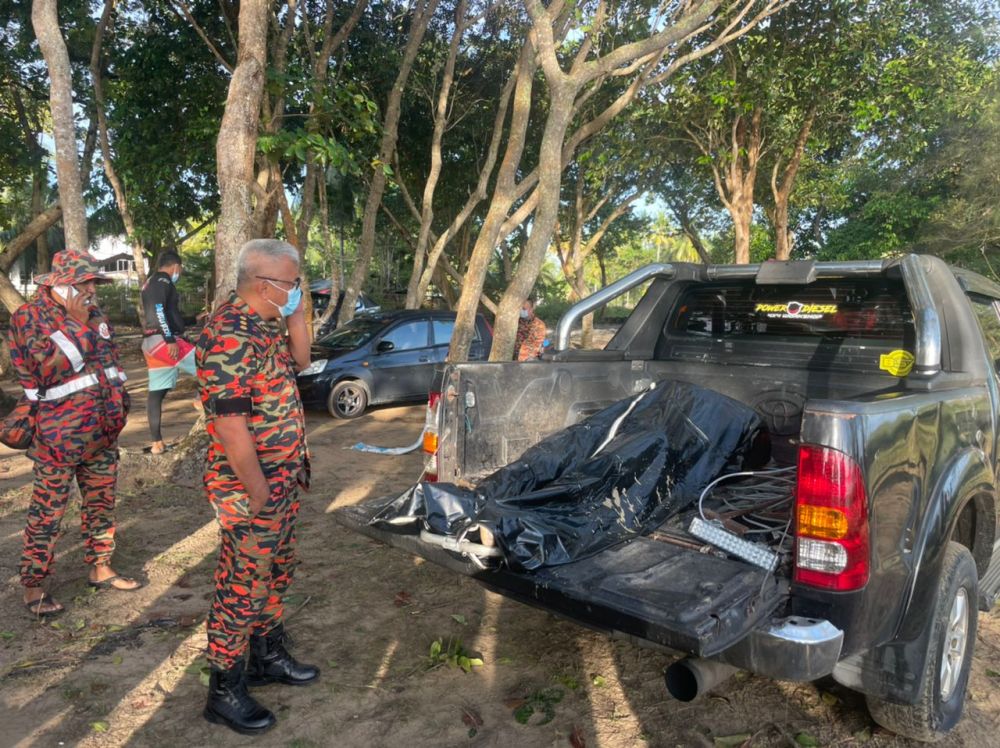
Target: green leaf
pixel 829 699
pixel 989 672
pixel 8 635
pixel 100 726
pixel 523 713
pixel 599 681
pixel 569 681
pixel 117 660
pixel 806 740
pixel 459 618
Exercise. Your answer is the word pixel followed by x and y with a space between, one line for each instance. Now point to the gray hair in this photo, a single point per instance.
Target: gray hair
pixel 256 250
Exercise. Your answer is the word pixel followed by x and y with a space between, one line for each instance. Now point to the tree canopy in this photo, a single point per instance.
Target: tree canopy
pixel 454 152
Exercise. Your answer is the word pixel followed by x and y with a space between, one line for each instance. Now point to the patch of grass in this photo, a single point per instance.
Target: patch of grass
pixel 568 681
pixel 452 654
pixel 539 707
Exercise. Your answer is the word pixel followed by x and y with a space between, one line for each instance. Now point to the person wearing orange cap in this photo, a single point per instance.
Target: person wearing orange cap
pixel 65 357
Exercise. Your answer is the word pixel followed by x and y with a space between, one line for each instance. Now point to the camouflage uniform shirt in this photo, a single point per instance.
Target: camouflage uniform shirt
pixel 245 368
pixel 530 337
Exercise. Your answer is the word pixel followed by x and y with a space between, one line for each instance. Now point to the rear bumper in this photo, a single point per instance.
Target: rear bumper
pixel 793 648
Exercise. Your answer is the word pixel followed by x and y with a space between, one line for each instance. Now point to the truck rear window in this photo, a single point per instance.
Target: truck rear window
pixel 843 324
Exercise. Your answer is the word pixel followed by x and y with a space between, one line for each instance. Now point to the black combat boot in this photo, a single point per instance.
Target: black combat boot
pixel 231 705
pixel 271 663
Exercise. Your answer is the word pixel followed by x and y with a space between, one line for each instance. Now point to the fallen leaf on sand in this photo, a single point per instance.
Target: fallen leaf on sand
pixel 471 718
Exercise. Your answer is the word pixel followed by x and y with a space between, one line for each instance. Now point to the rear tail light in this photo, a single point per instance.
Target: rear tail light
pixel 831 521
pixel 431 437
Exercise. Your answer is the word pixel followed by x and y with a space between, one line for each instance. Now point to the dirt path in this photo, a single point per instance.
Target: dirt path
pixel 121 669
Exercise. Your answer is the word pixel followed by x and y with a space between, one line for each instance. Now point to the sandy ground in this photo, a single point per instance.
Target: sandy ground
pixel 127 669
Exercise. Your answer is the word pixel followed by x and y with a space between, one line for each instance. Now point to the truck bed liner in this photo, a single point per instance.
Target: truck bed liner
pixel 648 589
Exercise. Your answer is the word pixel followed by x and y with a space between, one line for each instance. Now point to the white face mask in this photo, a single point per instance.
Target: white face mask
pixel 524 314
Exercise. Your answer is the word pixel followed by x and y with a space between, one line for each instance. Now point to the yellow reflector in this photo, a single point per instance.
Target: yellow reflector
pixel 822 522
pixel 430 442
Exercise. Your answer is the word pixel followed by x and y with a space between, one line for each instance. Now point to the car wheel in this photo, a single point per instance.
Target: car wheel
pixel 348 399
pixel 946 673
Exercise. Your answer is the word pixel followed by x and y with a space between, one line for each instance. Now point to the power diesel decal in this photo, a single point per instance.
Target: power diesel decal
pixel 795 310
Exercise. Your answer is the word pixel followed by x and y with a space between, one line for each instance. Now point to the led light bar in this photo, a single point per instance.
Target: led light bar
pixel 734 545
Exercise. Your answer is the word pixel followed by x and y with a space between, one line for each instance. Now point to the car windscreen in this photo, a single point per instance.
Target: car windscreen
pixel 355 333
pixel 858 325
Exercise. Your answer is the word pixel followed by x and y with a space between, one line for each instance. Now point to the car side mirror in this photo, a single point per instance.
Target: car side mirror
pixel 384 346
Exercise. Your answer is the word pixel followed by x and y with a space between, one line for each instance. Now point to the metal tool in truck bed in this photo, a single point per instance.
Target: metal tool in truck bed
pixel 878 385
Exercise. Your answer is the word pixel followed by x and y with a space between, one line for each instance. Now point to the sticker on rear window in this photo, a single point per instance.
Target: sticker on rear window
pixel 897 363
pixel 795 310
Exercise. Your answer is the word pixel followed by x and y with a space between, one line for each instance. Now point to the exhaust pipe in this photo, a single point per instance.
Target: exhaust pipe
pixel 689 678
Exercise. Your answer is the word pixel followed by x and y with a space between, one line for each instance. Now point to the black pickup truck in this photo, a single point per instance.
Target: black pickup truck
pixel 878 384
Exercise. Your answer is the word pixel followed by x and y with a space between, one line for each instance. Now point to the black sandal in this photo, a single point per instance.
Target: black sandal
pixel 34 606
pixel 108 584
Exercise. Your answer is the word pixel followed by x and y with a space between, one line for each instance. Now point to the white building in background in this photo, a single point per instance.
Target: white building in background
pixel 113 253
pixel 116 258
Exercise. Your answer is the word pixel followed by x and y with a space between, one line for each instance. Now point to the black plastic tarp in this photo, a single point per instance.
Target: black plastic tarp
pixel 617 474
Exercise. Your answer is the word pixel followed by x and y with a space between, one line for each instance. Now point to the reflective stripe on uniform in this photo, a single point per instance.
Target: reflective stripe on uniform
pixel 69 350
pixel 75 385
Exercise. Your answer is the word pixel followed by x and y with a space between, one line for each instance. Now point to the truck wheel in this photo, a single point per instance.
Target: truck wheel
pixel 348 399
pixel 946 674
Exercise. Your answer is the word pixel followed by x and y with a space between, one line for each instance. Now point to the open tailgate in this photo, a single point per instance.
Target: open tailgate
pixel 648 589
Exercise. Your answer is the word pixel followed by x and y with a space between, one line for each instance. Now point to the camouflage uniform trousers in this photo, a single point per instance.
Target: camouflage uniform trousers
pixel 256 563
pixel 95 468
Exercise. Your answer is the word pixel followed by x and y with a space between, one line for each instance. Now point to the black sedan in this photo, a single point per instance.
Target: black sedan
pixel 386 357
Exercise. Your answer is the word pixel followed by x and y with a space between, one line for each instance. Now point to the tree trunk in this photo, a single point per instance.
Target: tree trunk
pixel 138 255
pixel 237 143
pixel 45 20
pixel 320 73
pixel 390 129
pixel 580 292
pixel 413 298
pixel 742 215
pixel 735 180
pixel 542 226
pixel 42 260
pixel 500 203
pixel 460 222
pixel 10 297
pixel 781 190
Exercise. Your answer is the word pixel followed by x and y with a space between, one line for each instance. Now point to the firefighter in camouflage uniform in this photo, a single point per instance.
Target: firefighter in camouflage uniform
pixel 66 359
pixel 256 463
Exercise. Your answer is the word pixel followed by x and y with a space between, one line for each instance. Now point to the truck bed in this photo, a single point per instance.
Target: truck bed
pixel 648 590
